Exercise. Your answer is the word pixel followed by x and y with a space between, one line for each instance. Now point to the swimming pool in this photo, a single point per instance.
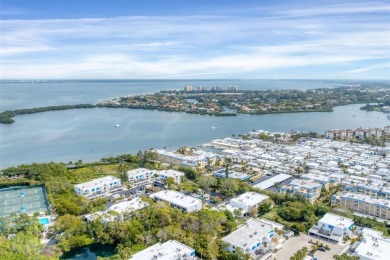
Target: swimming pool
pixel 44 221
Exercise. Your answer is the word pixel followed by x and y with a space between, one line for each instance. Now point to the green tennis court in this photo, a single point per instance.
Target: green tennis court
pixel 23 199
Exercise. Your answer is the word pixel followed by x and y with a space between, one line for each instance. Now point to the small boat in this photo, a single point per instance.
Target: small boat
pixel 213 127
pixel 117 125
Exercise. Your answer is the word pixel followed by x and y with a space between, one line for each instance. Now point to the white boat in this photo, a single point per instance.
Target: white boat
pixel 117 125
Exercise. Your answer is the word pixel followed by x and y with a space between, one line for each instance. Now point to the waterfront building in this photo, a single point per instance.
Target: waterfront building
pixel 202 88
pixel 340 134
pixel 194 158
pixel 361 133
pixel 308 188
pixel 188 88
pixel 169 250
pixel 98 186
pixel 257 237
pixel 232 88
pixel 217 88
pixel 333 227
pixel 178 200
pixel 386 130
pixel 373 246
pixel 362 203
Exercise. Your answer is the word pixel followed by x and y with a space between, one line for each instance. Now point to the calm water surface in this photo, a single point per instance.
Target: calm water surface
pixel 89 134
pixel 16 95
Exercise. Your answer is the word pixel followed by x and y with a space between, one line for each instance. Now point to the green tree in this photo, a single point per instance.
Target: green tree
pixel 170 182
pixel 71 232
pixel 228 187
pixel 205 182
pixel 344 256
pixel 123 251
pixel 264 208
pixel 190 173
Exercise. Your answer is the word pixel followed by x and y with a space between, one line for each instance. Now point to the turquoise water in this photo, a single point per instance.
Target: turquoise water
pixel 89 134
pixel 44 221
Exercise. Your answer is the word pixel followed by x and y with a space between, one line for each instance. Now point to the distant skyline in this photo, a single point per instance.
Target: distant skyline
pixel 178 39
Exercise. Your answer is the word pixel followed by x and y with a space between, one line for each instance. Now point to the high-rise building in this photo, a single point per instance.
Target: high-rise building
pixel 188 88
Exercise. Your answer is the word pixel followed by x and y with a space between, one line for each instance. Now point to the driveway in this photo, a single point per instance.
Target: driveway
pixel 293 244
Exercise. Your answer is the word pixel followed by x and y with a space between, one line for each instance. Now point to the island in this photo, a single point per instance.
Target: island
pixel 230 102
pixel 6 116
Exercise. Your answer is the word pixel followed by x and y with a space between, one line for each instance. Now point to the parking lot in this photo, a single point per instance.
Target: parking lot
pixel 294 244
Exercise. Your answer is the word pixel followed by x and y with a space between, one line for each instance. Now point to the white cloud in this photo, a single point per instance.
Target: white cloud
pixel 182 46
pixel 372 67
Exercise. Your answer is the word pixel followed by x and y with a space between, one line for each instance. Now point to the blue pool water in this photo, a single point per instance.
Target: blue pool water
pixel 44 221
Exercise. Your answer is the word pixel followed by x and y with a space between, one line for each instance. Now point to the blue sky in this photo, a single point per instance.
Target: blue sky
pixel 182 39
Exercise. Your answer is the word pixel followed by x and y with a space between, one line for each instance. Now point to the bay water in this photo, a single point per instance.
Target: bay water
pixel 90 134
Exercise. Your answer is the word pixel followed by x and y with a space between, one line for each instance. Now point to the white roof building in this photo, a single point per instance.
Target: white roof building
pixel 333 227
pixel 373 246
pixel 176 175
pixel 99 185
pixel 140 174
pixel 121 209
pixel 169 250
pixel 254 237
pixel 193 159
pixel 248 201
pixel 128 205
pixel 271 181
pixel 178 200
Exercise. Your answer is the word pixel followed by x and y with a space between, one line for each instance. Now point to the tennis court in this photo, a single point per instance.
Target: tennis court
pixel 23 199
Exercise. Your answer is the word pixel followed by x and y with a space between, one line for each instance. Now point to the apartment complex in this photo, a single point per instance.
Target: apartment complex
pixel 98 186
pixel 332 227
pixel 308 188
pixel 256 237
pixel 122 210
pixel 374 246
pixel 176 175
pixel 169 250
pixel 363 204
pixel 140 176
pixel 361 133
pixel 178 200
pixel 248 201
pixel 188 88
pixel 192 158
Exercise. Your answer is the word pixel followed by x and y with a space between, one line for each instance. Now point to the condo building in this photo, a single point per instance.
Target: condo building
pixel 257 237
pixel 361 203
pixel 98 186
pixel 307 188
pixel 169 250
pixel 374 246
pixel 333 227
pixel 178 200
